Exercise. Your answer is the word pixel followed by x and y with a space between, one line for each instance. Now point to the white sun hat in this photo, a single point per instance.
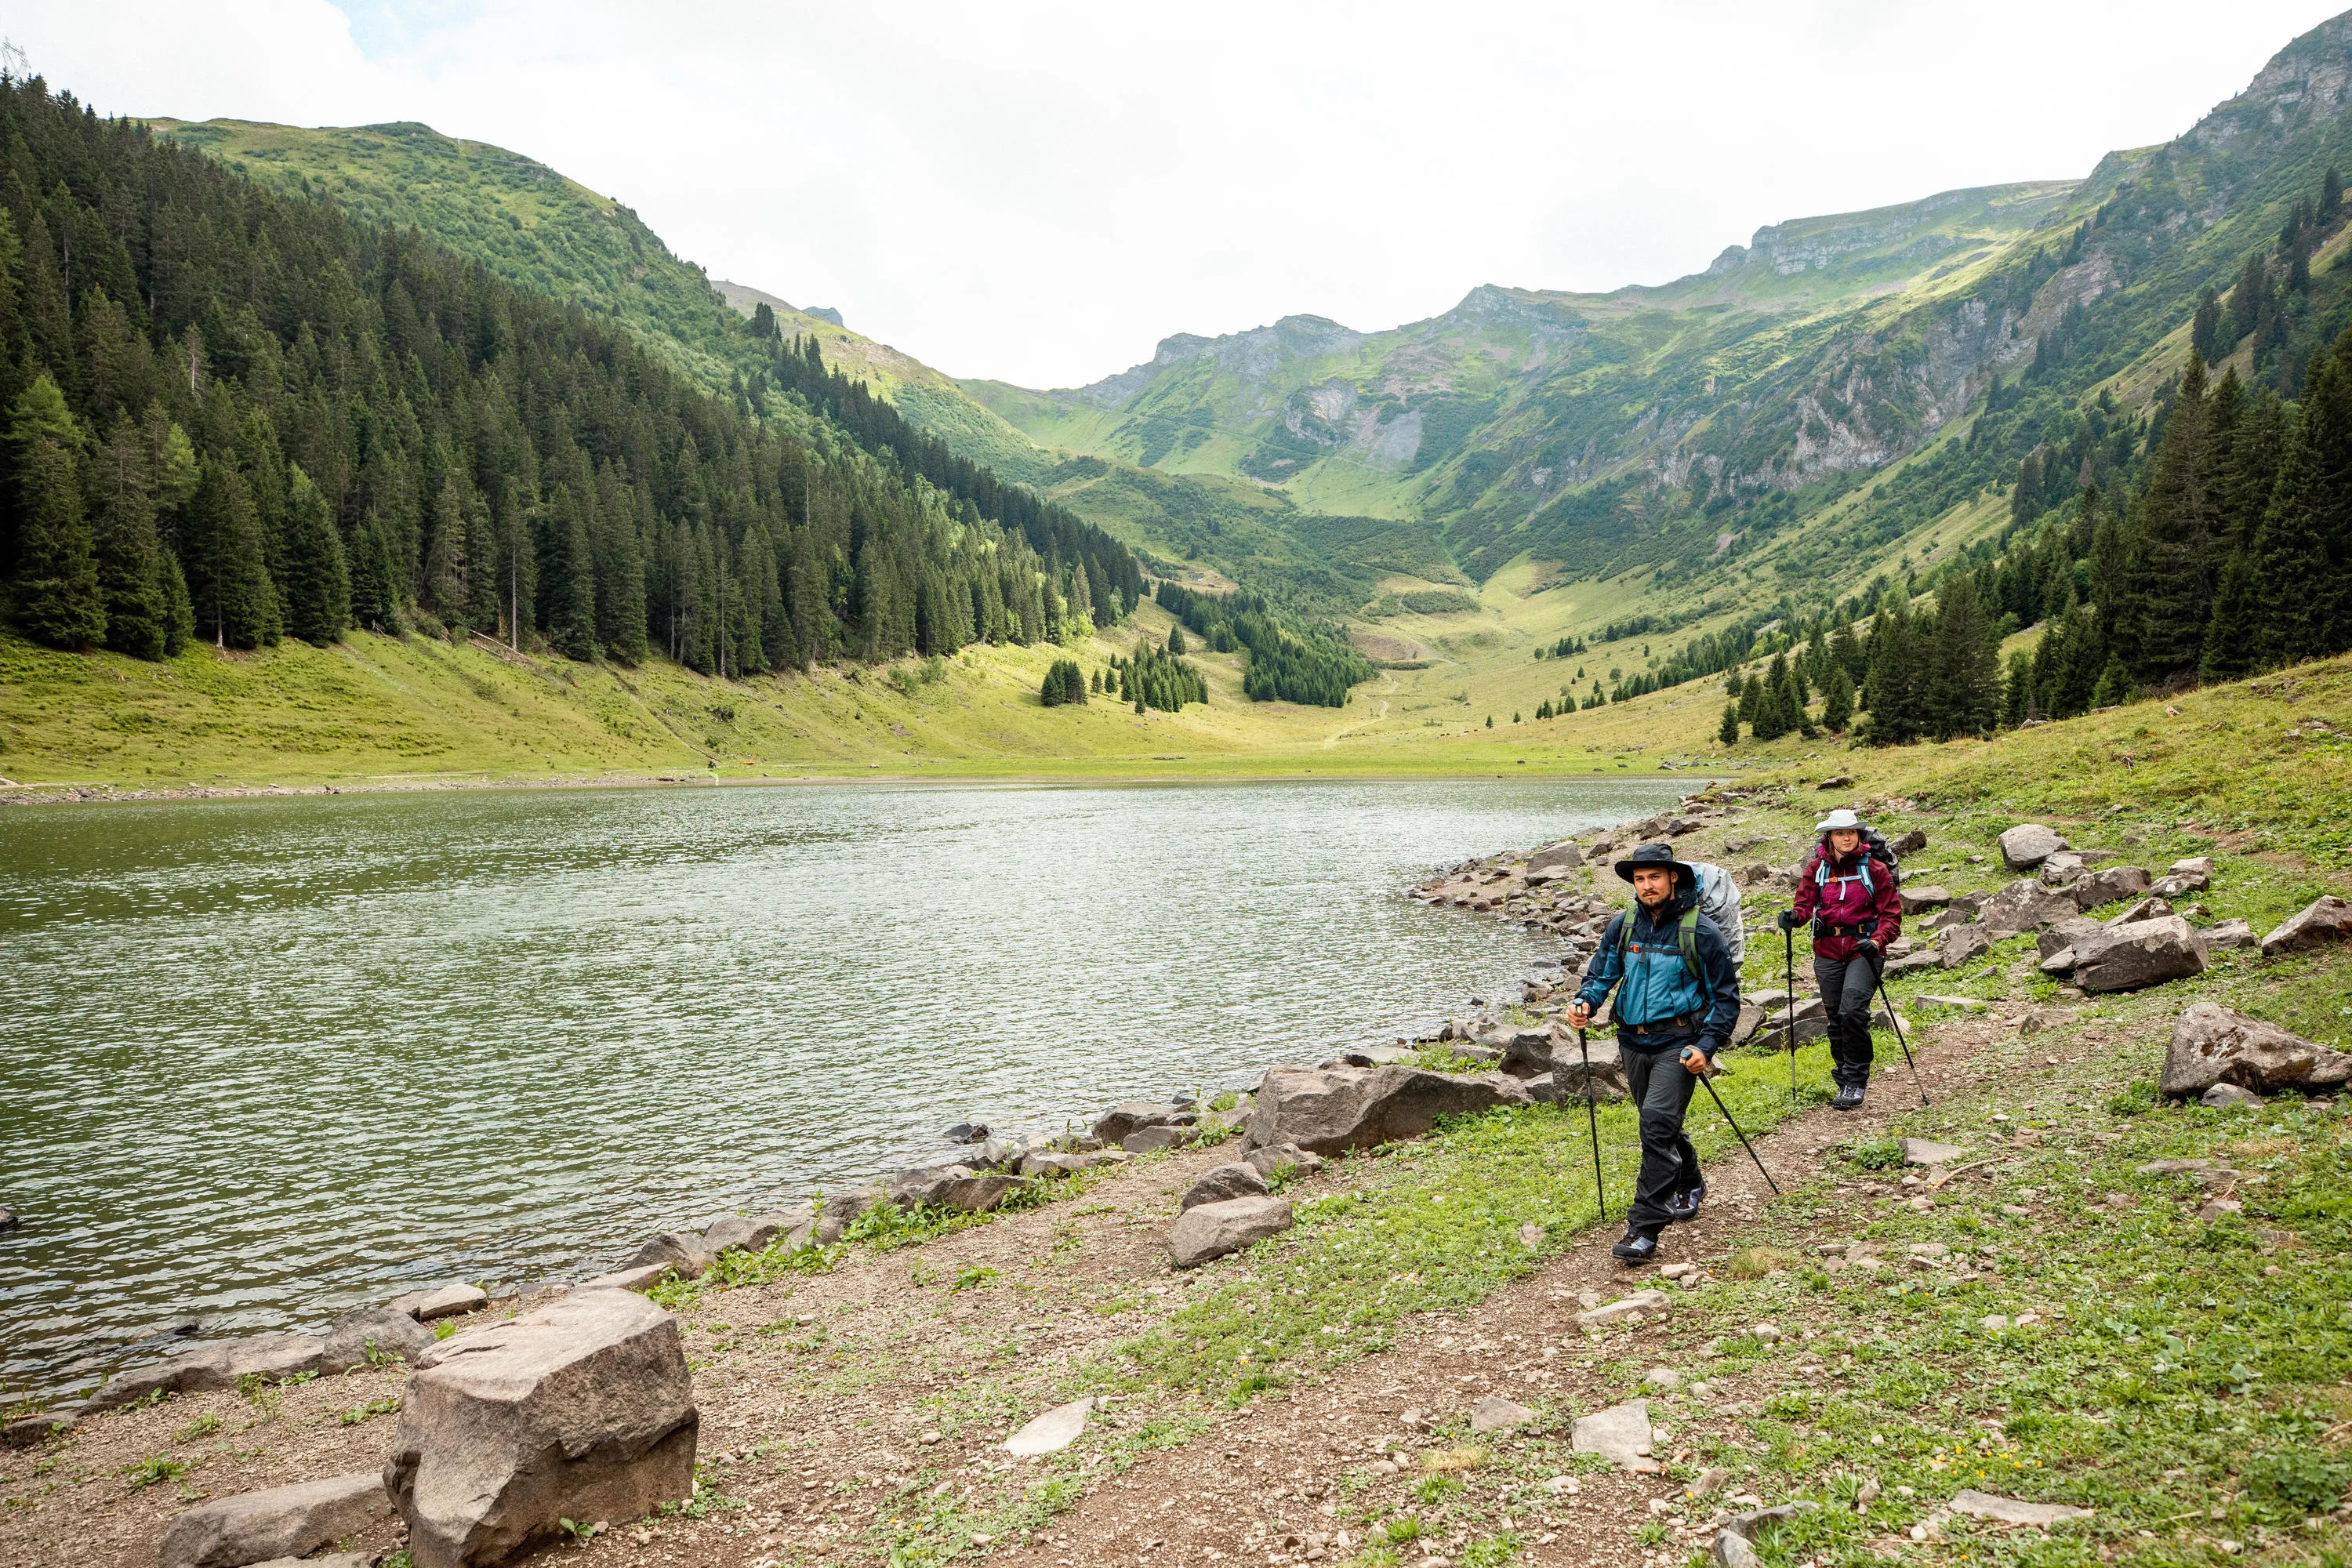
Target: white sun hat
pixel 1840 818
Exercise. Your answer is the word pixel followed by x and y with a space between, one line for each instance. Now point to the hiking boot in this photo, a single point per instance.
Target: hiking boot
pixel 1683 1207
pixel 1639 1247
pixel 1849 1098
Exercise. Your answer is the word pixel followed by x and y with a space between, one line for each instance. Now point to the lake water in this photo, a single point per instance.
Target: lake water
pixel 262 1060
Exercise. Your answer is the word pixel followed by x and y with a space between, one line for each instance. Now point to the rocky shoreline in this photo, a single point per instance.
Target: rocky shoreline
pixel 487 1380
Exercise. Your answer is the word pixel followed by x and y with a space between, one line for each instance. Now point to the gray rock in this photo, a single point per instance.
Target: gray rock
pixel 2222 1096
pixel 1965 1004
pixel 31 1431
pixel 1910 843
pixel 1959 945
pixel 1733 1551
pixel 372 1334
pixel 1632 1309
pixel 1149 1140
pixel 1756 1523
pixel 1554 859
pixel 2027 845
pixel 965 1132
pixel 2067 934
pixel 1913 963
pixel 957 1187
pixel 332 1560
pixel 2059 869
pixel 2025 906
pixel 644 1276
pixel 8 1220
pixel 2325 921
pixel 1598 1073
pixel 840 1211
pixel 2179 887
pixel 1046 1162
pixel 1928 1151
pixel 2148 908
pixel 282 1521
pixel 1222 1182
pixel 1919 900
pixel 582 1409
pixel 1619 1433
pixel 1494 1414
pixel 734 1233
pixel 1327 1111
pixel 441 1302
pixel 1274 1157
pixel 2230 934
pixel 2131 957
pixel 2213 1044
pixel 2059 962
pixel 2106 887
pixel 1052 1432
pixel 1213 1230
pixel 998 1153
pixel 1113 1126
pixel 1528 1053
pixel 2011 1511
pixel 2193 865
pixel 680 1249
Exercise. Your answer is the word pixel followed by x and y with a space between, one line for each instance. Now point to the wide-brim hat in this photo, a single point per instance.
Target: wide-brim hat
pixel 1842 817
pixel 1654 855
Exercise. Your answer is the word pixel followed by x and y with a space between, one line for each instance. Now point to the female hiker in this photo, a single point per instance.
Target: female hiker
pixel 1847 890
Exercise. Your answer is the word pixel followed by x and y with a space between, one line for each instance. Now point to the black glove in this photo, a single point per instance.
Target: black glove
pixel 1789 921
pixel 1867 949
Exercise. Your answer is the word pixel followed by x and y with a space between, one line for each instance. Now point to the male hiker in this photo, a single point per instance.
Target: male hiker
pixel 1846 887
pixel 1678 999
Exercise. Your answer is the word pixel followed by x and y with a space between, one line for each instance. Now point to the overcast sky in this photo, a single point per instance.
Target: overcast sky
pixel 1040 193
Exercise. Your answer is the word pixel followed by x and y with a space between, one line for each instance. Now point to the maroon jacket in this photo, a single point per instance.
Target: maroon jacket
pixel 1846 894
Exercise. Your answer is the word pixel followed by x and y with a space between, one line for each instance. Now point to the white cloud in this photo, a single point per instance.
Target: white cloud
pixel 1040 192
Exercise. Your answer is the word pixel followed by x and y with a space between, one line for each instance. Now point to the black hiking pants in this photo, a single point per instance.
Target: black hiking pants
pixel 1848 984
pixel 1660 1088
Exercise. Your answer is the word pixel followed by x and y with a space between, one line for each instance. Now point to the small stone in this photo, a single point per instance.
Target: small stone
pixel 1926 1151
pixel 1494 1414
pixel 441 1302
pixel 966 1132
pixel 31 1431
pixel 1664 1377
pixel 1055 1430
pixel 2012 1511
pixel 1994 1323
pixel 1619 1433
pixel 1213 1230
pixel 2226 1096
pixel 1709 1482
pixel 1151 1140
pixel 1531 1236
pixel 1225 1182
pixel 1563 1485
pixel 1631 1308
pixel 1769 1333
pixel 1677 1271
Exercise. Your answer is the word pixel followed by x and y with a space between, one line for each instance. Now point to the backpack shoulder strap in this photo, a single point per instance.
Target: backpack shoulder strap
pixel 1687 930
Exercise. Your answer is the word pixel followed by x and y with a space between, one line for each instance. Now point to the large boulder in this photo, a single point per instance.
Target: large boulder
pixel 1598 1072
pixel 2147 952
pixel 1113 1125
pixel 2325 921
pixel 2108 885
pixel 582 1409
pixel 2212 1044
pixel 1223 1182
pixel 1550 865
pixel 2027 845
pixel 2026 905
pixel 2067 934
pixel 2059 869
pixel 1326 1110
pixel 1212 1230
pixel 281 1522
pixel 1527 1053
pixel 371 1333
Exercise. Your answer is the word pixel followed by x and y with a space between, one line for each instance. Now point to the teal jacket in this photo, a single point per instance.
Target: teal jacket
pixel 1653 978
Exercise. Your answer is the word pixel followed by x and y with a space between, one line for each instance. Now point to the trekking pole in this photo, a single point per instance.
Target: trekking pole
pixel 1593 1122
pixel 1736 1132
pixel 1889 1003
pixel 1788 1010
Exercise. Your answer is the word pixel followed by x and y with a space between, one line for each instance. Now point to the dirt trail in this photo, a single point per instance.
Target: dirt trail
pixel 914 1364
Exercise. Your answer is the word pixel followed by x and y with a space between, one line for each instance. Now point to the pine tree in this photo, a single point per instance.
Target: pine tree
pixel 1963 694
pixel 54 591
pixel 2017 690
pixel 2331 195
pixel 131 578
pixel 318 583
pixel 236 602
pixel 2205 327
pixel 2230 635
pixel 1893 691
pixel 1176 639
pixel 2290 627
pixel 1837 698
pixel 444 593
pixel 1728 733
pixel 2168 579
pixel 375 579
pixel 2114 685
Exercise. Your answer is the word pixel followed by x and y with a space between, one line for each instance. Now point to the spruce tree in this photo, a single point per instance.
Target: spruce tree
pixel 235 601
pixel 317 579
pixel 2167 578
pixel 2114 685
pixel 2290 626
pixel 1963 693
pixel 2230 636
pixel 2205 327
pixel 374 578
pixel 2017 690
pixel 1176 639
pixel 1837 698
pixel 55 590
pixel 132 577
pixel 1728 731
